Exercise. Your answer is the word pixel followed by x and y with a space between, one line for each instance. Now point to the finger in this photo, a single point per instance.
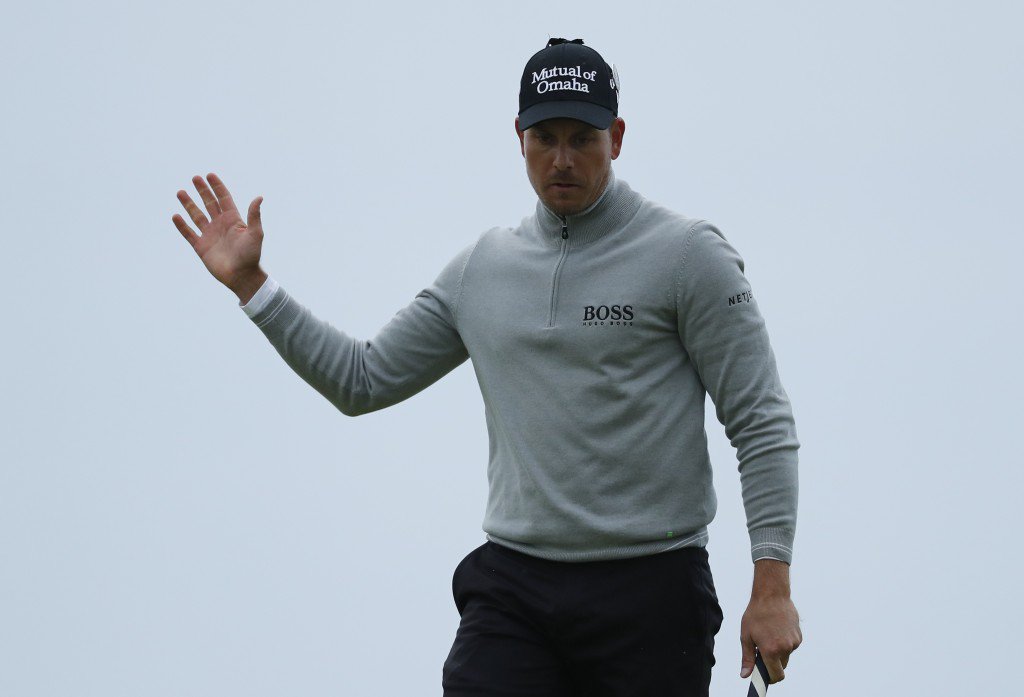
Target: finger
pixel 223 195
pixel 190 236
pixel 194 211
pixel 776 673
pixel 747 666
pixel 209 200
pixel 254 213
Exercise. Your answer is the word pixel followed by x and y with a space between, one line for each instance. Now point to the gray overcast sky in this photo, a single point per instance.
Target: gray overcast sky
pixel 180 515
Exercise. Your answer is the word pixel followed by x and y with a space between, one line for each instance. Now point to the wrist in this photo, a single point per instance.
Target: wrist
pixel 245 285
pixel 771 579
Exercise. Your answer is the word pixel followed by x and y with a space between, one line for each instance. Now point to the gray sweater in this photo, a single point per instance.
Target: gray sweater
pixel 594 339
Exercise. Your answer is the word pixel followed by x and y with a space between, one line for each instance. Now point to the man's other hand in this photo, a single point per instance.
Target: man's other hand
pixel 771 623
pixel 228 247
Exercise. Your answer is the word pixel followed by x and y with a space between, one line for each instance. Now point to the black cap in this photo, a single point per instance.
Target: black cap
pixel 568 80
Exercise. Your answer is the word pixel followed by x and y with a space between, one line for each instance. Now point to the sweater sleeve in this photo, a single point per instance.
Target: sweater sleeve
pixel 416 348
pixel 722 331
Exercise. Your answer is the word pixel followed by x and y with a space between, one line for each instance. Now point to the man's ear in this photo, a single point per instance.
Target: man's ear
pixel 522 145
pixel 617 130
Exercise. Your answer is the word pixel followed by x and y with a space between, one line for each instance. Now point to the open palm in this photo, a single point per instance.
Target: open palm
pixel 228 246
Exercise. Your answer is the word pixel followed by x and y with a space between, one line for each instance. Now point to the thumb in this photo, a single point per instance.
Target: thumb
pixel 254 213
pixel 747 667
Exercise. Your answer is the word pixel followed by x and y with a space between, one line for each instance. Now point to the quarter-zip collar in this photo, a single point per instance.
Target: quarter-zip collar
pixel 609 213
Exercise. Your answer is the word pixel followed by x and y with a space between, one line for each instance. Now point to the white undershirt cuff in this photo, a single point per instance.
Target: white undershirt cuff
pixel 261 298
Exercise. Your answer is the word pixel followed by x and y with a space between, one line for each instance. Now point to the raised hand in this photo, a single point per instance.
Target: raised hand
pixel 229 247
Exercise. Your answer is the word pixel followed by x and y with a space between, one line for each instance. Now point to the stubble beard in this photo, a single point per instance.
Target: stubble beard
pixel 562 210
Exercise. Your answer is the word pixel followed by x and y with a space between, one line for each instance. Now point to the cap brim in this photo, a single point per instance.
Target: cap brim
pixel 597 116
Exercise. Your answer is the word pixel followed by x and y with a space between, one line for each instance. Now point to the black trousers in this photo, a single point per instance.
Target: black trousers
pixel 642 627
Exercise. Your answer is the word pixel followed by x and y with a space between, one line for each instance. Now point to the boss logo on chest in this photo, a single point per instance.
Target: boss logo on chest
pixel 608 315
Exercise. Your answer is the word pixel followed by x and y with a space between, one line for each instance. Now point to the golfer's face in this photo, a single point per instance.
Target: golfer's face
pixel 568 161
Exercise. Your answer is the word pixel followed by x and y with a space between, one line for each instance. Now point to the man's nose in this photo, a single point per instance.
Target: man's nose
pixel 563 157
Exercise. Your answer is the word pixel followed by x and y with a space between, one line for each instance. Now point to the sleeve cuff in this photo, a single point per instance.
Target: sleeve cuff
pixel 259 301
pixel 772 543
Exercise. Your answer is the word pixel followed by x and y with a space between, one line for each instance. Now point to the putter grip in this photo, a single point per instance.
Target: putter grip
pixel 759 678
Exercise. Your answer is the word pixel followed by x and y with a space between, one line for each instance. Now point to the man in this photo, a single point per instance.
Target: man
pixel 596 327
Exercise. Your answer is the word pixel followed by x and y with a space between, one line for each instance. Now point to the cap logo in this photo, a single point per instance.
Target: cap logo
pixel 568 80
pixel 545 82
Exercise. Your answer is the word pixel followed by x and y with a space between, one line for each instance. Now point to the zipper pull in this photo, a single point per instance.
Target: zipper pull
pixel 565 230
